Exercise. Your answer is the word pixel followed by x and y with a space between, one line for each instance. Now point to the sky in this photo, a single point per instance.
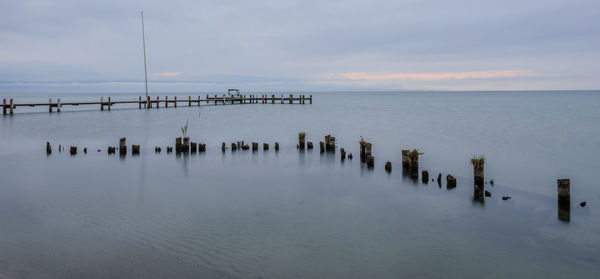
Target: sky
pixel 285 45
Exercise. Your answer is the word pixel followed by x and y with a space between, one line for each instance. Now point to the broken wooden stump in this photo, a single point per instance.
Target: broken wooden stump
pixel 223 147
pixel 48 148
pixel 388 166
pixel 233 146
pixel 169 149
pixel 111 150
pixel 301 140
pixel 202 147
pixel 245 147
pixel 309 145
pixel 193 147
pixel 157 149
pixel 439 179
pixel 265 146
pixel 276 146
pixel 73 150
pixel 504 198
pixel 85 150
pixel 321 147
pixel 487 193
pixel 410 163
pixel 135 149
pixel 564 199
pixel 254 146
pixel 478 185
pixel 370 161
pixel 350 156
pixel 450 181
pixel 343 154
pixel 329 143
pixel 425 176
pixel 123 146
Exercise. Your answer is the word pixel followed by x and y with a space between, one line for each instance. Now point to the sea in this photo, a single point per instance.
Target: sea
pixel 302 213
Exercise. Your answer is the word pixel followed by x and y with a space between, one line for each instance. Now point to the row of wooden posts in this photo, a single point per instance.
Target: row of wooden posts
pixel 9 105
pixel 410 164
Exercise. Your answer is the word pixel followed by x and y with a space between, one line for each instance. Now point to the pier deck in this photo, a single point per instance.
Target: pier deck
pixel 156 101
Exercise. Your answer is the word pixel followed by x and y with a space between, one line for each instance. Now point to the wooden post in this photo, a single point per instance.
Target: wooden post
pixel 224 98
pixel 291 98
pixel 322 147
pixel 425 176
pixel 175 101
pixel 48 148
pixel 272 98
pixel 301 138
pixel 101 103
pixel 139 102
pixel 166 101
pixel 302 99
pixel 276 146
pixel 135 149
pixel 564 199
pixel 198 100
pixel 4 106
pixel 193 146
pixel 450 181
pixel 311 99
pixel 223 146
pixel 282 98
pixel 233 146
pixel 255 146
pixel 265 146
pixel 207 99
pixel 123 146
pixel 388 166
pixel 343 154
pixel 109 104
pixel 189 101
pixel 73 150
pixel 309 145
pixel 478 185
pixel 50 104
pixel 57 105
pixel 215 99
pixel 148 103
pixel 157 102
pixel 201 147
pixel 12 106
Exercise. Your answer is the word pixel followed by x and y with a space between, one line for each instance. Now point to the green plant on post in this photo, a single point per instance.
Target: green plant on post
pixel 185 128
pixel 477 161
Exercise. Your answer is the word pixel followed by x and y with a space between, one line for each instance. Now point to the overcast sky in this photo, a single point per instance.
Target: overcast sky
pixel 96 46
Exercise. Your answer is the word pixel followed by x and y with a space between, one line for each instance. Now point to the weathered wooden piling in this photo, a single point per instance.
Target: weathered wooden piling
pixel 350 156
pixel 321 147
pixel 109 103
pixel 48 148
pixel 223 146
pixel 365 149
pixel 329 143
pixel 276 146
pixel 175 102
pixel 11 107
pixel 233 146
pixel 309 145
pixel 342 154
pixel 202 147
pixel 254 146
pixel 410 163
pixel 59 148
pixel 370 161
pixel 111 150
pixel 388 166
pixel 157 149
pixel 450 181
pixel 425 176
pixel 169 149
pixel 564 199
pixel 73 150
pixel 85 150
pixel 478 185
pixel 123 146
pixel 135 149
pixel 265 146
pixel 245 147
pixel 4 106
pixel 193 147
pixel 166 101
pixel 301 140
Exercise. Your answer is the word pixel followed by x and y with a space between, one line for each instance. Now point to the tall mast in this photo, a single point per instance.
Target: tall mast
pixel 144 43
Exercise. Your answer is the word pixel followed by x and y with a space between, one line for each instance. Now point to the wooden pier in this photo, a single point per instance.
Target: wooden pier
pixel 8 106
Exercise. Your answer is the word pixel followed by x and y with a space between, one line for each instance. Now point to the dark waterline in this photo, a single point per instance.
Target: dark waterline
pixel 302 214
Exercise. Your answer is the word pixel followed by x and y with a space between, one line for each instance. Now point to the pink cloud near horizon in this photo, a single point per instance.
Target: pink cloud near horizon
pixel 370 76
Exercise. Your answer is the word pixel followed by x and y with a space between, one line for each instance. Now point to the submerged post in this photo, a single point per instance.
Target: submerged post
pixel 49 104
pixel 478 185
pixel 175 101
pixel 564 199
pixel 301 138
pixel 12 106
pixel 57 105
pixel 139 102
pixel 4 106
pixel 157 102
pixel 109 103
pixel 166 101
pixel 123 146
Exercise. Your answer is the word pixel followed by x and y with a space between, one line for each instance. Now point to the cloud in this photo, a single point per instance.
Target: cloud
pixel 432 76
pixel 166 74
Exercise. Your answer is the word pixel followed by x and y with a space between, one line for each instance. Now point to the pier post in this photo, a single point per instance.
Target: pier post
pixel 302 99
pixel 109 103
pixel 282 98
pixel 123 146
pixel 272 98
pixel 201 147
pixel 101 103
pixel 198 100
pixel 301 138
pixel 215 99
pixel 73 150
pixel 135 149
pixel 425 177
pixel 57 105
pixel 189 101
pixel 49 104
pixel 265 146
pixel 450 182
pixel 255 146
pixel 166 101
pixel 343 154
pixel 233 146
pixel 311 99
pixel 291 98
pixel 12 107
pixel 175 101
pixel 309 145
pixel 157 102
pixel 148 103
pixel 193 147
pixel 276 146
pixel 223 147
pixel 48 148
pixel 139 102
pixel 388 166
pixel 4 106
pixel 564 199
pixel 478 185
pixel 321 147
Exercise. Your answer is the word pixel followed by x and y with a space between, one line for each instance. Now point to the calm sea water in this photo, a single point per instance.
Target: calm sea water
pixel 291 214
